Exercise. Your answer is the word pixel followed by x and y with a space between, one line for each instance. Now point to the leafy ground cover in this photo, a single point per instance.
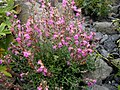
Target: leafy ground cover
pixel 50 52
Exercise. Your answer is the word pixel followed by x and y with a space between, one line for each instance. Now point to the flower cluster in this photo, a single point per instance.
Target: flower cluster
pixel 51 42
pixel 43 86
pixel 90 82
pixel 1 61
pixel 42 68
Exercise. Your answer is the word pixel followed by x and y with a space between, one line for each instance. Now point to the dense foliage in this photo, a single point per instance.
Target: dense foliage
pixel 94 8
pixel 51 51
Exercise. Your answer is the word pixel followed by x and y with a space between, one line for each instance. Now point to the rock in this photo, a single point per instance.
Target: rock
pixel 109 45
pixel 119 51
pixel 25 10
pixel 102 51
pixel 98 35
pixel 116 62
pixel 115 37
pixel 102 71
pixel 98 87
pixel 110 87
pixel 105 37
pixel 105 27
pixel 115 9
pixel 117 79
pixel 115 54
pixel 59 0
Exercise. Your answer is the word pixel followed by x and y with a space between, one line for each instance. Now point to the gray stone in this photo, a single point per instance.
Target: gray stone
pixel 102 71
pixel 98 87
pixel 102 51
pixel 105 37
pixel 105 27
pixel 115 54
pixel 114 9
pixel 25 10
pixel 109 45
pixel 98 35
pixel 110 87
pixel 116 62
pixel 115 37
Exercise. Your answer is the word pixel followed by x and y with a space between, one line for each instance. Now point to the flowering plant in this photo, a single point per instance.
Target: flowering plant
pixel 51 50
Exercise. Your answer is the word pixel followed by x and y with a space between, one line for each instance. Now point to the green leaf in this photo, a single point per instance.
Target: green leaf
pixel 3 70
pixel 4 42
pixel 118 87
pixel 6 73
pixel 2 27
pixel 2 34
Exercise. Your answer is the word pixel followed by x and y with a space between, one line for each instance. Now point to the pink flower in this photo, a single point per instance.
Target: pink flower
pixel 27 36
pixel 39 62
pixel 77 14
pixel 94 81
pixel 68 63
pixel 89 37
pixel 18 21
pixel 26 54
pixel 15 16
pixel 79 50
pixel 60 45
pixel 29 44
pixel 73 2
pixel 74 8
pixel 90 50
pixel 40 69
pixel 76 42
pixel 88 45
pixel 16 52
pixel 1 61
pixel 72 54
pixel 60 21
pixel 47 34
pixel 70 48
pixel 43 5
pixel 76 37
pixel 8 13
pixel 91 82
pixel 21 75
pixel 50 22
pixel 63 41
pixel 66 43
pixel 18 39
pixel 79 57
pixel 54 47
pixel 39 88
pixel 85 42
pixel 19 26
pixel 68 38
pixel 64 3
pixel 55 36
pixel 93 33
pixel 44 71
pixel 29 29
pixel 46 88
pixel 84 53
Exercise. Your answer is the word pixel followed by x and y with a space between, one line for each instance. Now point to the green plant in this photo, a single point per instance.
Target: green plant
pixel 116 22
pixel 94 7
pixel 52 51
pixel 6 10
